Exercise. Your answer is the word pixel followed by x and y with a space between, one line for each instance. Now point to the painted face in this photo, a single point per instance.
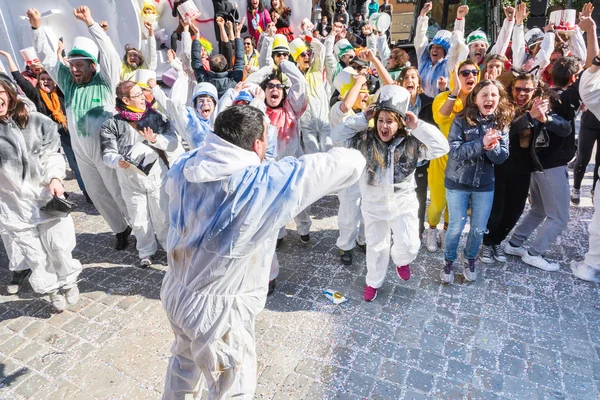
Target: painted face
pixel 468 77
pixel 362 99
pixel 495 67
pixel 487 100
pixel 133 58
pixel 82 71
pixel 4 102
pixel 274 93
pixel 436 53
pixel 46 83
pixel 522 92
pixel 205 105
pixel 477 51
pixel 387 126
pixel 411 82
pixel 136 98
pixel 36 69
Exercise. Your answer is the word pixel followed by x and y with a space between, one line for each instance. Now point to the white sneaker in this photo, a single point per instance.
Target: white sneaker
pixel 146 262
pixel 442 239
pixel 539 262
pixel 71 294
pixel 432 239
pixel 514 251
pixel 583 271
pixel 58 301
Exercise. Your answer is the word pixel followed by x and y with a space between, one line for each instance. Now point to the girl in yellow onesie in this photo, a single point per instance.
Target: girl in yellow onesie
pixel 445 107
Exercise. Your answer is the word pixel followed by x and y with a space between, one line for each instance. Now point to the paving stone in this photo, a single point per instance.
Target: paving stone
pixel 31 385
pixel 456 350
pixel 511 365
pixel 576 365
pixel 360 384
pixel 515 349
pixel 419 380
pixel 393 371
pixel 448 389
pixel 385 391
pixel 432 362
pixel 483 358
pixel 545 375
pixel 487 380
pixel 459 371
pixel 580 387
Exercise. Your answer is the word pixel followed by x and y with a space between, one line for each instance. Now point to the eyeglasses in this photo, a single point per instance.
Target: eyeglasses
pixel 275 85
pixel 286 55
pixel 305 54
pixel 466 72
pixel 137 96
pixel 523 90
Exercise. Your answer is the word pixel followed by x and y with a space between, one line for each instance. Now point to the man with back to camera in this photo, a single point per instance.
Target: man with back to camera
pixel 226 208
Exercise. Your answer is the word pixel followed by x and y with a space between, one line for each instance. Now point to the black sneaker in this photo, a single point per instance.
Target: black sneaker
pixel 123 239
pixel 279 243
pixel 305 238
pixel 18 278
pixel 362 247
pixel 272 285
pixel 346 257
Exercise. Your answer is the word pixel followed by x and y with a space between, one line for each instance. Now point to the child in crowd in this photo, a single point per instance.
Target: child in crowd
pixel 478 140
pixel 280 14
pixel 258 18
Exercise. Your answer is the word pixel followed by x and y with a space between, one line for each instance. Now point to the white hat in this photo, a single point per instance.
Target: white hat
pixel 29 56
pixel 205 88
pixel 533 36
pixel 84 49
pixel 344 81
pixel 380 21
pixel 343 47
pixel 393 98
pixel 142 76
pixel 563 20
pixel 478 36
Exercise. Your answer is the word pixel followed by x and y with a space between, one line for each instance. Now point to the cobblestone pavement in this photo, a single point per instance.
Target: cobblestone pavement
pixel 516 333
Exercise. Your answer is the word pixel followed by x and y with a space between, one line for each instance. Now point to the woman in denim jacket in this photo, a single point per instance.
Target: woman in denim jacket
pixel 478 139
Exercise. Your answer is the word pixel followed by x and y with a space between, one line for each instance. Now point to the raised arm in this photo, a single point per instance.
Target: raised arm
pixel 421 40
pixel 434 142
pixel 384 75
pixel 297 95
pixel 318 50
pixel 151 61
pixel 503 40
pixel 44 50
pixel 351 126
pixel 587 25
pixel 518 36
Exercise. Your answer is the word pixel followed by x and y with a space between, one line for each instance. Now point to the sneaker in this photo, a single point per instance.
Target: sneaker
pixel 575 196
pixel 486 255
pixel 442 238
pixel 362 247
pixel 272 285
pixel 583 271
pixel 346 257
pixel 58 301
pixel 370 293
pixel 499 253
pixel 71 294
pixel 514 251
pixel 403 272
pixel 431 241
pixel 18 279
pixel 146 262
pixel 539 262
pixel 122 239
pixel 279 243
pixel 305 238
pixel 447 273
pixel 469 272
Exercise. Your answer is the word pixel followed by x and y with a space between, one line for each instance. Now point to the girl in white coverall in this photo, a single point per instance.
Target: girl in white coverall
pixel 387 186
pixel 31 170
pixel 138 124
pixel 226 207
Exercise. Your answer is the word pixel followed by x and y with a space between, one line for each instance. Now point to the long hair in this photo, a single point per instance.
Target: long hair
pixel 491 57
pixel 402 76
pixel 16 108
pixel 381 159
pixel 261 6
pixel 504 111
pixel 541 90
pixel 280 10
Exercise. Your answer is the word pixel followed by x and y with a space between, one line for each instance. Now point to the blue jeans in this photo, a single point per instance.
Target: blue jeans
pixel 73 164
pixel 458 202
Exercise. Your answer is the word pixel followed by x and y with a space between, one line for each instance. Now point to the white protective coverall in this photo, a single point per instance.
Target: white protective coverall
pixel 522 60
pixel 350 222
pixel 225 210
pixel 145 196
pixel 286 120
pixel 88 106
pixel 389 202
pixel 29 160
pixel 150 60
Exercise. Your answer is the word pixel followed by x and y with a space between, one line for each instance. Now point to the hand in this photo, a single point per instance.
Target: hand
pixel 457 84
pixel 56 187
pixel 236 7
pixel 171 55
pixel 521 14
pixel 491 139
pixel 587 10
pixel 193 29
pixel 491 76
pixel 442 84
pixel 240 86
pixel 509 11
pixel 248 69
pixel 539 109
pixel 84 14
pixel 239 26
pixel 148 134
pixel 5 54
pixel 369 112
pixel 152 83
pixel 103 25
pixel 587 24
pixel 366 55
pixel 229 25
pixel 274 16
pixel 271 29
pixel 426 8
pixel 124 164
pixel 548 28
pixel 258 93
pixel 367 29
pixel 411 120
pixel 220 21
pixel 462 11
pixel 149 28
pixel 60 46
pixel 360 80
pixel 336 29
pixel 35 18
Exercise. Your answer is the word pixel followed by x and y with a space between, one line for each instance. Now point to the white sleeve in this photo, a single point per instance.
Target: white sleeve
pixel 436 144
pixel 383 49
pixel 109 60
pixel 458 52
pixel 578 46
pixel 353 124
pixel 518 46
pixel 421 40
pixel 589 90
pixel 503 40
pixel 265 59
pixel 151 61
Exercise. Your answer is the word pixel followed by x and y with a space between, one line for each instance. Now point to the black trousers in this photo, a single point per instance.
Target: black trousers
pixel 421 179
pixel 589 134
pixel 510 196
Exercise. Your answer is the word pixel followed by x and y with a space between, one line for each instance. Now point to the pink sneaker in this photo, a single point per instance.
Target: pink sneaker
pixel 403 272
pixel 370 293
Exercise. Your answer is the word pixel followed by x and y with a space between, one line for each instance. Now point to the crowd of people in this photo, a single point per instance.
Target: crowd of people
pixel 245 134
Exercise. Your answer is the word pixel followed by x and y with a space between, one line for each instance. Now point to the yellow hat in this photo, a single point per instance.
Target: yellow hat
pixel 297 47
pixel 280 44
pixel 344 81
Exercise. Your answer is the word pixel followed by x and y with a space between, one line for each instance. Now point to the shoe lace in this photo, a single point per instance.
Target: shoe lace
pixel 448 267
pixel 499 250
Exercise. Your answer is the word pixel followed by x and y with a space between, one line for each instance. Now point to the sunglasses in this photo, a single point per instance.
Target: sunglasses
pixel 275 85
pixel 286 55
pixel 523 90
pixel 466 72
pixel 247 44
pixel 305 54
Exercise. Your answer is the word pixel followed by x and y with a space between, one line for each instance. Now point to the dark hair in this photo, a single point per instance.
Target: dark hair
pixel 541 89
pixel 405 71
pixel 491 57
pixel 252 40
pixel 261 5
pixel 241 126
pixel 16 108
pixel 504 111
pixel 563 69
pixel 275 76
pixel 218 63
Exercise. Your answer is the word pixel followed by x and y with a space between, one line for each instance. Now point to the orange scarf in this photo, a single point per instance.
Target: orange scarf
pixel 52 102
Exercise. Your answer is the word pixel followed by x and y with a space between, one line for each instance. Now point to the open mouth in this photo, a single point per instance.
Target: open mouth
pixel 410 88
pixel 489 107
pixel 470 83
